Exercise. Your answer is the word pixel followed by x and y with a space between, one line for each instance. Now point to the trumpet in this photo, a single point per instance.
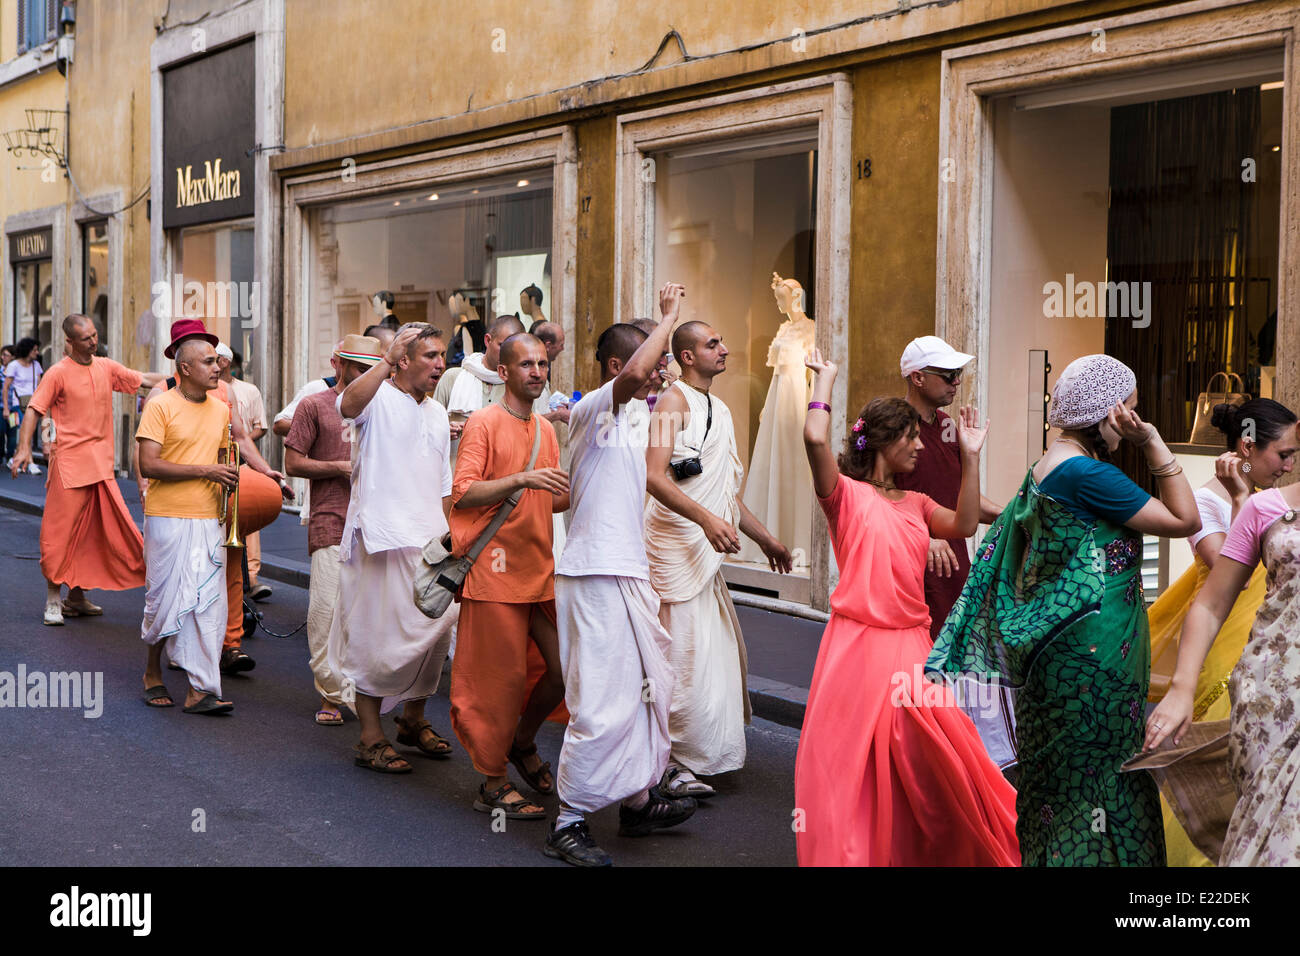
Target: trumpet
pixel 228 454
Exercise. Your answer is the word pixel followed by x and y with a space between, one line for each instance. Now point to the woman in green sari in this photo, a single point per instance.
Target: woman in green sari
pixel 1053 607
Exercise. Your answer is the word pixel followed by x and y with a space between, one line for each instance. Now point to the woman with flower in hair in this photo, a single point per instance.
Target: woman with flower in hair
pixel 890 771
pixel 1053 606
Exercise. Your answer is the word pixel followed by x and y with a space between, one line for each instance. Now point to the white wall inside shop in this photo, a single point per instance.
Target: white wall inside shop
pixel 1050 184
pixel 722 228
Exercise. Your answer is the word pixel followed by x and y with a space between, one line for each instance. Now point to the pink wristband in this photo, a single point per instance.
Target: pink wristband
pixel 822 405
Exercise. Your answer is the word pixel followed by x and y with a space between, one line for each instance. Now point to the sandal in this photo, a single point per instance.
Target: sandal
pixel 679 782
pixel 329 718
pixel 491 802
pixel 85 609
pixel 156 693
pixel 380 757
pixel 412 735
pixel 532 777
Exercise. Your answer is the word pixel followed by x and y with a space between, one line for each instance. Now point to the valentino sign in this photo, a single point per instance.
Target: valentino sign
pixel 211 185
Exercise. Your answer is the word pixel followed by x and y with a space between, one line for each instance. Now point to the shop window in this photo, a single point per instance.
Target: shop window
pixel 487 240
pixel 215 283
pixel 94 277
pixel 33 304
pixel 727 217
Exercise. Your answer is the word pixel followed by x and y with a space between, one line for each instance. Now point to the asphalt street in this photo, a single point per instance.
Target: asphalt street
pixel 266 786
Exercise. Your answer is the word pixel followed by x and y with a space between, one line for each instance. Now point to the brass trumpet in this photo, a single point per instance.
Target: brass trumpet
pixel 229 454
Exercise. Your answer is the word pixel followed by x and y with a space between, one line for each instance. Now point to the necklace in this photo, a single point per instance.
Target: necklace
pixel 522 418
pixel 881 484
pixel 1078 445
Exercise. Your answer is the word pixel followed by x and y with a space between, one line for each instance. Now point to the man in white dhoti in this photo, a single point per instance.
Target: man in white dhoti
pixel 179 437
pixel 383 649
pixel 693 474
pixel 617 679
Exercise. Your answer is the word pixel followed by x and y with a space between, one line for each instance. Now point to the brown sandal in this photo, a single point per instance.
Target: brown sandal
pixel 375 758
pixel 532 777
pixel 491 802
pixel 412 735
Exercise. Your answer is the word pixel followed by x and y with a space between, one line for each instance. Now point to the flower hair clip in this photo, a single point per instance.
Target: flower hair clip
pixel 859 425
pixel 861 443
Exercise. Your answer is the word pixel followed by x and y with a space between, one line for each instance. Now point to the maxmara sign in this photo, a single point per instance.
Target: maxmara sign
pixel 208 137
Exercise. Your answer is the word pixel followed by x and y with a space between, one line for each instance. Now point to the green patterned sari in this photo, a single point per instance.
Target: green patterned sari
pixel 1053 607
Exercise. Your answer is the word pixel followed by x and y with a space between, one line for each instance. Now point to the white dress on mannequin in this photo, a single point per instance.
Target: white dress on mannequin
pixel 778 488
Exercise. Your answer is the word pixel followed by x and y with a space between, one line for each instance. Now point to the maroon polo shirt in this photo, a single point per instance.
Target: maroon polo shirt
pixel 938 474
pixel 317 433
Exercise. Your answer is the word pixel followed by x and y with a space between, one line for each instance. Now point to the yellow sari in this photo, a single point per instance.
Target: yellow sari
pixel 1165 618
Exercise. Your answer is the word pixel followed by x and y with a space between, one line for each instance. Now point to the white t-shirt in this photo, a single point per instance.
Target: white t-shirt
pixel 25 377
pixel 1216 515
pixel 607 488
pixel 400 472
pixel 311 388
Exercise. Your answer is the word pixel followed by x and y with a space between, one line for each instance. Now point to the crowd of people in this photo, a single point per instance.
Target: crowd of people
pixel 965 708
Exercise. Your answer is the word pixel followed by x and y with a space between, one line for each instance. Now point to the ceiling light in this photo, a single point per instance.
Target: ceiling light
pixel 522 182
pixel 1273 86
pixel 433 197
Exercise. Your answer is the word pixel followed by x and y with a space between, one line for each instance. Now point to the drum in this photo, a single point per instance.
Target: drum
pixel 259 501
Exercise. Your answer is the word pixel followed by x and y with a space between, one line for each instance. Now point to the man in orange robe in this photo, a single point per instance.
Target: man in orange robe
pixel 88 539
pixel 507 653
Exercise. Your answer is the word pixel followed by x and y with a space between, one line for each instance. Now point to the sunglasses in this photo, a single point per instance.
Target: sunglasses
pixel 948 375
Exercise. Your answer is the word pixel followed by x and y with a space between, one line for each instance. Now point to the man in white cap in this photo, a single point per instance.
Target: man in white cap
pixel 933 370
pixel 246 402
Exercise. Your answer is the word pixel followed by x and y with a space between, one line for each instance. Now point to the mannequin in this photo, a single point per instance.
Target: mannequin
pixel 467 329
pixel 382 304
pixel 778 488
pixel 530 304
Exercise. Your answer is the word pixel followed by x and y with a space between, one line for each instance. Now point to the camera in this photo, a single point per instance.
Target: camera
pixel 687 468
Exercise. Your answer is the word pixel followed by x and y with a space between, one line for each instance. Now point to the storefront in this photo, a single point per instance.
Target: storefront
pixel 31 284
pixel 1134 208
pixel 472 224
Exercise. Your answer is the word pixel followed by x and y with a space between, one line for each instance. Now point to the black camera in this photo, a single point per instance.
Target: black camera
pixel 687 468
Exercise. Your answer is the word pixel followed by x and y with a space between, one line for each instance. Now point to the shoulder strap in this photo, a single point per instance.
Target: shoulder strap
pixel 508 505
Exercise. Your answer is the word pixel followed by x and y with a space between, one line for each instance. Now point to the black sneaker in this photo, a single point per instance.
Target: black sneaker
pixel 659 813
pixel 235 661
pixel 574 844
pixel 260 592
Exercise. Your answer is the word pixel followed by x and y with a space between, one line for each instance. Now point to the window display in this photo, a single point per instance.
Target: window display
pixel 732 218
pixel 453 255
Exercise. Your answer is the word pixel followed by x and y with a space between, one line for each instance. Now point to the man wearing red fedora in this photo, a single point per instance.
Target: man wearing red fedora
pixel 232 660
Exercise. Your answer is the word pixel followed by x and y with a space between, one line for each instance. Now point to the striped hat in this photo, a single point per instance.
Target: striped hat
pixel 361 349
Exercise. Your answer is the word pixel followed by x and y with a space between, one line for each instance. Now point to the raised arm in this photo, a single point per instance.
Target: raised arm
pixel 358 395
pixel 1173 514
pixel 645 359
pixel 665 423
pixel 817 426
pixel 961 523
pixel 1173 716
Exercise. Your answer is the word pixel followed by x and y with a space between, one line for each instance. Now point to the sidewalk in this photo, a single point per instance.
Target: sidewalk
pixel 782 649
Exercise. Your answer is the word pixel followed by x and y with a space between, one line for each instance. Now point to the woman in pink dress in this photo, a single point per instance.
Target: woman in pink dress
pixel 890 771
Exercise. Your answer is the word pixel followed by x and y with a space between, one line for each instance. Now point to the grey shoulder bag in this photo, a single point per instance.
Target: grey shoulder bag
pixel 441 574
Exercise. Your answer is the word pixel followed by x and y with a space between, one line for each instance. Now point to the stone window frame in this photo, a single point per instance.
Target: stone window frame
pixel 824 101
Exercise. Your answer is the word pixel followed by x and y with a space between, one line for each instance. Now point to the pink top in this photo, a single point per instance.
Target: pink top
pixel 880 546
pixel 1247 532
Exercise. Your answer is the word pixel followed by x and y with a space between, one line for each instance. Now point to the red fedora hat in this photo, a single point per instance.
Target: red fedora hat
pixel 183 329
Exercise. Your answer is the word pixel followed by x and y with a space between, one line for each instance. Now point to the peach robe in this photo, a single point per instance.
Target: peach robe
pixel 88 538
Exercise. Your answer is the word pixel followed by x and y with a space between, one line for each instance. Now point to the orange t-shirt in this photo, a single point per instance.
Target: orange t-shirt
pixel 80 400
pixel 518 564
pixel 191 433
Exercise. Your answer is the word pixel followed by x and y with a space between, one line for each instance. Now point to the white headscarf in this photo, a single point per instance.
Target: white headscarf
pixel 1088 389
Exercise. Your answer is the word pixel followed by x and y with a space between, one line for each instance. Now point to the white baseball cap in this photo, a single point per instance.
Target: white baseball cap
pixel 930 351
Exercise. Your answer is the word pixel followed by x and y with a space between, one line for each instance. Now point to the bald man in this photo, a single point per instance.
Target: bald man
pixel 88 539
pixel 690 527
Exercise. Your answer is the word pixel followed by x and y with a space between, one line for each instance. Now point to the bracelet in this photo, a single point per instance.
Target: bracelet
pixel 822 405
pixel 1171 467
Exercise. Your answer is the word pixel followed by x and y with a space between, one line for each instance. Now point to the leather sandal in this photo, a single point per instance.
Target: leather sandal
pixel 532 777
pixel 488 802
pixel 374 758
pixel 412 735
